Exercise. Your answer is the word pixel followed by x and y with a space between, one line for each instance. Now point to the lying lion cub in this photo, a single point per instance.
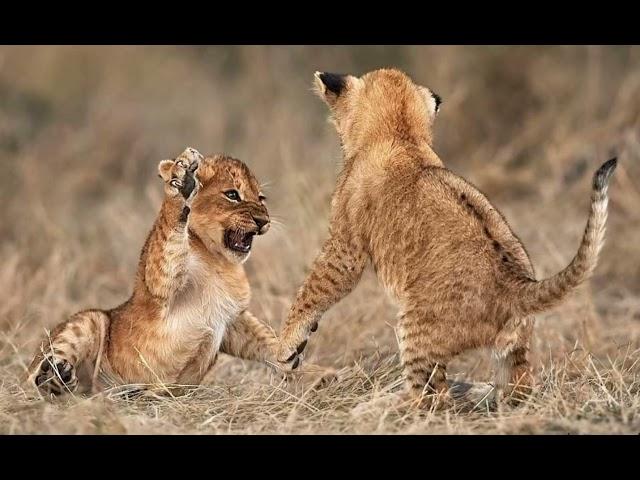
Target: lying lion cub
pixel 190 295
pixel 460 276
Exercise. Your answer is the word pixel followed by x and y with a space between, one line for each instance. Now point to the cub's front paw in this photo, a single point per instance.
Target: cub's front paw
pixel 290 354
pixel 180 174
pixel 55 376
pixel 292 344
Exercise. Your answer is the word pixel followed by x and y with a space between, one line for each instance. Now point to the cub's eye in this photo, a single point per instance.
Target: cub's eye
pixel 262 198
pixel 232 195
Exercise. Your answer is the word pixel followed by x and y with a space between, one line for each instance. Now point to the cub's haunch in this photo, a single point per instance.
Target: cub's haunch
pixel 460 276
pixel 190 295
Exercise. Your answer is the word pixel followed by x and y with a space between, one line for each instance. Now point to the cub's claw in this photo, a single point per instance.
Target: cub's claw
pixel 292 356
pixel 183 173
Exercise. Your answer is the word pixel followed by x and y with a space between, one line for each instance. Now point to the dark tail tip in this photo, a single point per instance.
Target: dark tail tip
pixel 602 176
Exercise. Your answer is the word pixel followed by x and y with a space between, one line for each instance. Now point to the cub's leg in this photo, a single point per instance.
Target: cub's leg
pixel 334 273
pixel 510 353
pixel 165 253
pixel 73 343
pixel 201 362
pixel 426 346
pixel 250 339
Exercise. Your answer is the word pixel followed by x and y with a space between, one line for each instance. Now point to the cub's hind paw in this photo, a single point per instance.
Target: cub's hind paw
pixel 473 396
pixel 56 376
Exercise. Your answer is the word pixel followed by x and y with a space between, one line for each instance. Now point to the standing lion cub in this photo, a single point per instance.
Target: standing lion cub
pixel 190 295
pixel 460 276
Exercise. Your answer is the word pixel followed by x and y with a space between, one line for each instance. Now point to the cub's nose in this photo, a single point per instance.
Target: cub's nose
pixel 262 223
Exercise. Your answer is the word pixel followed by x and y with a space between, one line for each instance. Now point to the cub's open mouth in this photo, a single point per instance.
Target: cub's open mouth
pixel 238 241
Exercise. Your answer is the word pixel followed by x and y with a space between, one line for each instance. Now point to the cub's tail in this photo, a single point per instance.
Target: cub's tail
pixel 536 296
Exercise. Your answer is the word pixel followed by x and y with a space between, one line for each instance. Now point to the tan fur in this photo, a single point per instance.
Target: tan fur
pixel 190 295
pixel 460 276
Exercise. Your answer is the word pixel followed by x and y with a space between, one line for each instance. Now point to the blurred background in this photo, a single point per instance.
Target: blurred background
pixel 83 128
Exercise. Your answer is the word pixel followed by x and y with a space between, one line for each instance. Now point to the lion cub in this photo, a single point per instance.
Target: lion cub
pixel 190 295
pixel 460 276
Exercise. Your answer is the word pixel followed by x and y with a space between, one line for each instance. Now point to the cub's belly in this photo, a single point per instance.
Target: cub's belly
pixel 179 348
pixel 165 357
pixel 177 342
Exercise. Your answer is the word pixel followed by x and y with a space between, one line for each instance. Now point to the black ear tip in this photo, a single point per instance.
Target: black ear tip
pixel 438 99
pixel 335 82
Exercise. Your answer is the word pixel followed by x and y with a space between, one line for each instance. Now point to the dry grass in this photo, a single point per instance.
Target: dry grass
pixel 81 132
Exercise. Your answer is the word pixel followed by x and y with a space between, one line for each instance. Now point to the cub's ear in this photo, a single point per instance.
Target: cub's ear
pixel 164 169
pixel 432 99
pixel 330 86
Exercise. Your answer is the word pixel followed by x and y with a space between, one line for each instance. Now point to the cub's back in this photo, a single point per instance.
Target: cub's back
pixel 436 230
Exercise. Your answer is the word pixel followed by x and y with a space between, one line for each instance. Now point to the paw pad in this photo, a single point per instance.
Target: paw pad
pixel 56 376
pixel 183 172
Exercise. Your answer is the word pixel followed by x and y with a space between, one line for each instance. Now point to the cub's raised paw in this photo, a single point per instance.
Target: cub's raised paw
pixel 56 376
pixel 180 174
